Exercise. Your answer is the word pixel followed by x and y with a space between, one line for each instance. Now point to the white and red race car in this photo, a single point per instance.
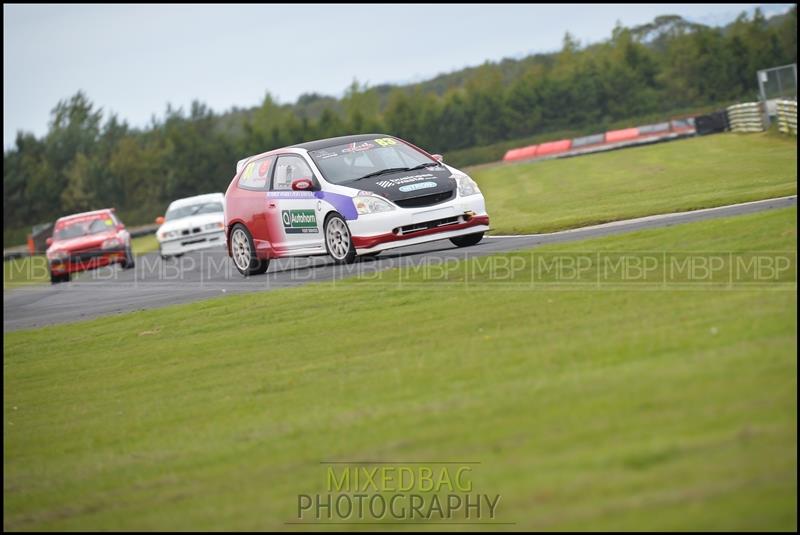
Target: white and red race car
pixel 347 196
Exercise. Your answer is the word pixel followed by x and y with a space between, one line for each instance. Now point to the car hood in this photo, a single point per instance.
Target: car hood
pixel 408 184
pixel 199 220
pixel 93 241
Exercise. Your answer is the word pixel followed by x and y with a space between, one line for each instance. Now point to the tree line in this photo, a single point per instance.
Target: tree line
pixel 88 161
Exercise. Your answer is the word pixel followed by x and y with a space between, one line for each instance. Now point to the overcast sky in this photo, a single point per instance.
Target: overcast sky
pixel 133 60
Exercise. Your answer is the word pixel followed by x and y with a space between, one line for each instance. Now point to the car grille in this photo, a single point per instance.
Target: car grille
pixel 426 200
pixel 83 256
pixel 410 229
pixel 187 231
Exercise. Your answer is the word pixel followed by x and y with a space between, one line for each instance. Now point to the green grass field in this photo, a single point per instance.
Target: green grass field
pixel 681 175
pixel 631 408
pixel 33 269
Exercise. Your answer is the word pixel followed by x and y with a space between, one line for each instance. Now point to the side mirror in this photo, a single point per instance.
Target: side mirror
pixel 302 184
pixel 160 220
pixel 49 241
pixel 438 157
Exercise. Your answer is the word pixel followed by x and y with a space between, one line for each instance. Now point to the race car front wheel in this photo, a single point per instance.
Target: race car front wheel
pixel 469 239
pixel 128 262
pixel 243 252
pixel 338 240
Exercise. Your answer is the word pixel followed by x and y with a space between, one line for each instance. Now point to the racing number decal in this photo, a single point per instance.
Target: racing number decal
pixel 299 221
pixel 385 141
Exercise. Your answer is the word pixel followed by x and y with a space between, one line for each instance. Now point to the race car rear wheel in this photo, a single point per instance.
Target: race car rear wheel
pixel 55 279
pixel 243 252
pixel 338 241
pixel 469 239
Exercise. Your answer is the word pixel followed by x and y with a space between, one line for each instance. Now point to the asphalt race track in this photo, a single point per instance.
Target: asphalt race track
pixel 156 283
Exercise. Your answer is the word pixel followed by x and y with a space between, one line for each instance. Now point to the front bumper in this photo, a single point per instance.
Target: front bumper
pixel 86 260
pixel 402 227
pixel 194 242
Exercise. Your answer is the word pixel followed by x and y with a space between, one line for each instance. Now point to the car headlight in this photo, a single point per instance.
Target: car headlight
pixel 167 235
pixel 214 226
pixel 466 186
pixel 57 256
pixel 369 204
pixel 112 243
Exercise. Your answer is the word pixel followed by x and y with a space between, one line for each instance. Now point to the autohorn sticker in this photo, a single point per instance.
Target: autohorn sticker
pixel 299 221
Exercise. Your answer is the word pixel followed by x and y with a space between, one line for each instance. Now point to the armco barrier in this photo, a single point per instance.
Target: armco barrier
pixel 612 136
pixel 653 128
pixel 613 139
pixel 682 125
pixel 585 141
pixel 747 117
pixel 524 153
pixel 553 147
pixel 787 116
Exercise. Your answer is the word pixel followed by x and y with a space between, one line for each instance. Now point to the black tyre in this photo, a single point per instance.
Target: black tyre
pixel 338 240
pixel 243 252
pixel 468 240
pixel 55 279
pixel 128 262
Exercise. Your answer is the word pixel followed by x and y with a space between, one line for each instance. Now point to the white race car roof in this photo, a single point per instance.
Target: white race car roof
pixel 197 199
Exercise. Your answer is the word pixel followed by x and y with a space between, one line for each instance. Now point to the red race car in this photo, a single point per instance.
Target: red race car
pixel 87 241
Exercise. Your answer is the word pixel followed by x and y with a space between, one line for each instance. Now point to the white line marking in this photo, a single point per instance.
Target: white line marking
pixel 646 218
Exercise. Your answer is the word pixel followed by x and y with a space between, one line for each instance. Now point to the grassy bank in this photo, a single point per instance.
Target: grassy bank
pixel 595 409
pixel 677 176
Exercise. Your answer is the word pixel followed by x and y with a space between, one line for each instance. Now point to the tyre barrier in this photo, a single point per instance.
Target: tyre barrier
pixel 711 123
pixel 746 117
pixel 787 116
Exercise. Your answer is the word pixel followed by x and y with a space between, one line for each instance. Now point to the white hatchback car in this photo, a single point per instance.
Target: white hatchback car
pixel 345 197
pixel 192 224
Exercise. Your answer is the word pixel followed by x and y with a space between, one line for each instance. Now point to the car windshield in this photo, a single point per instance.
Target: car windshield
pixel 349 162
pixel 193 209
pixel 83 227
